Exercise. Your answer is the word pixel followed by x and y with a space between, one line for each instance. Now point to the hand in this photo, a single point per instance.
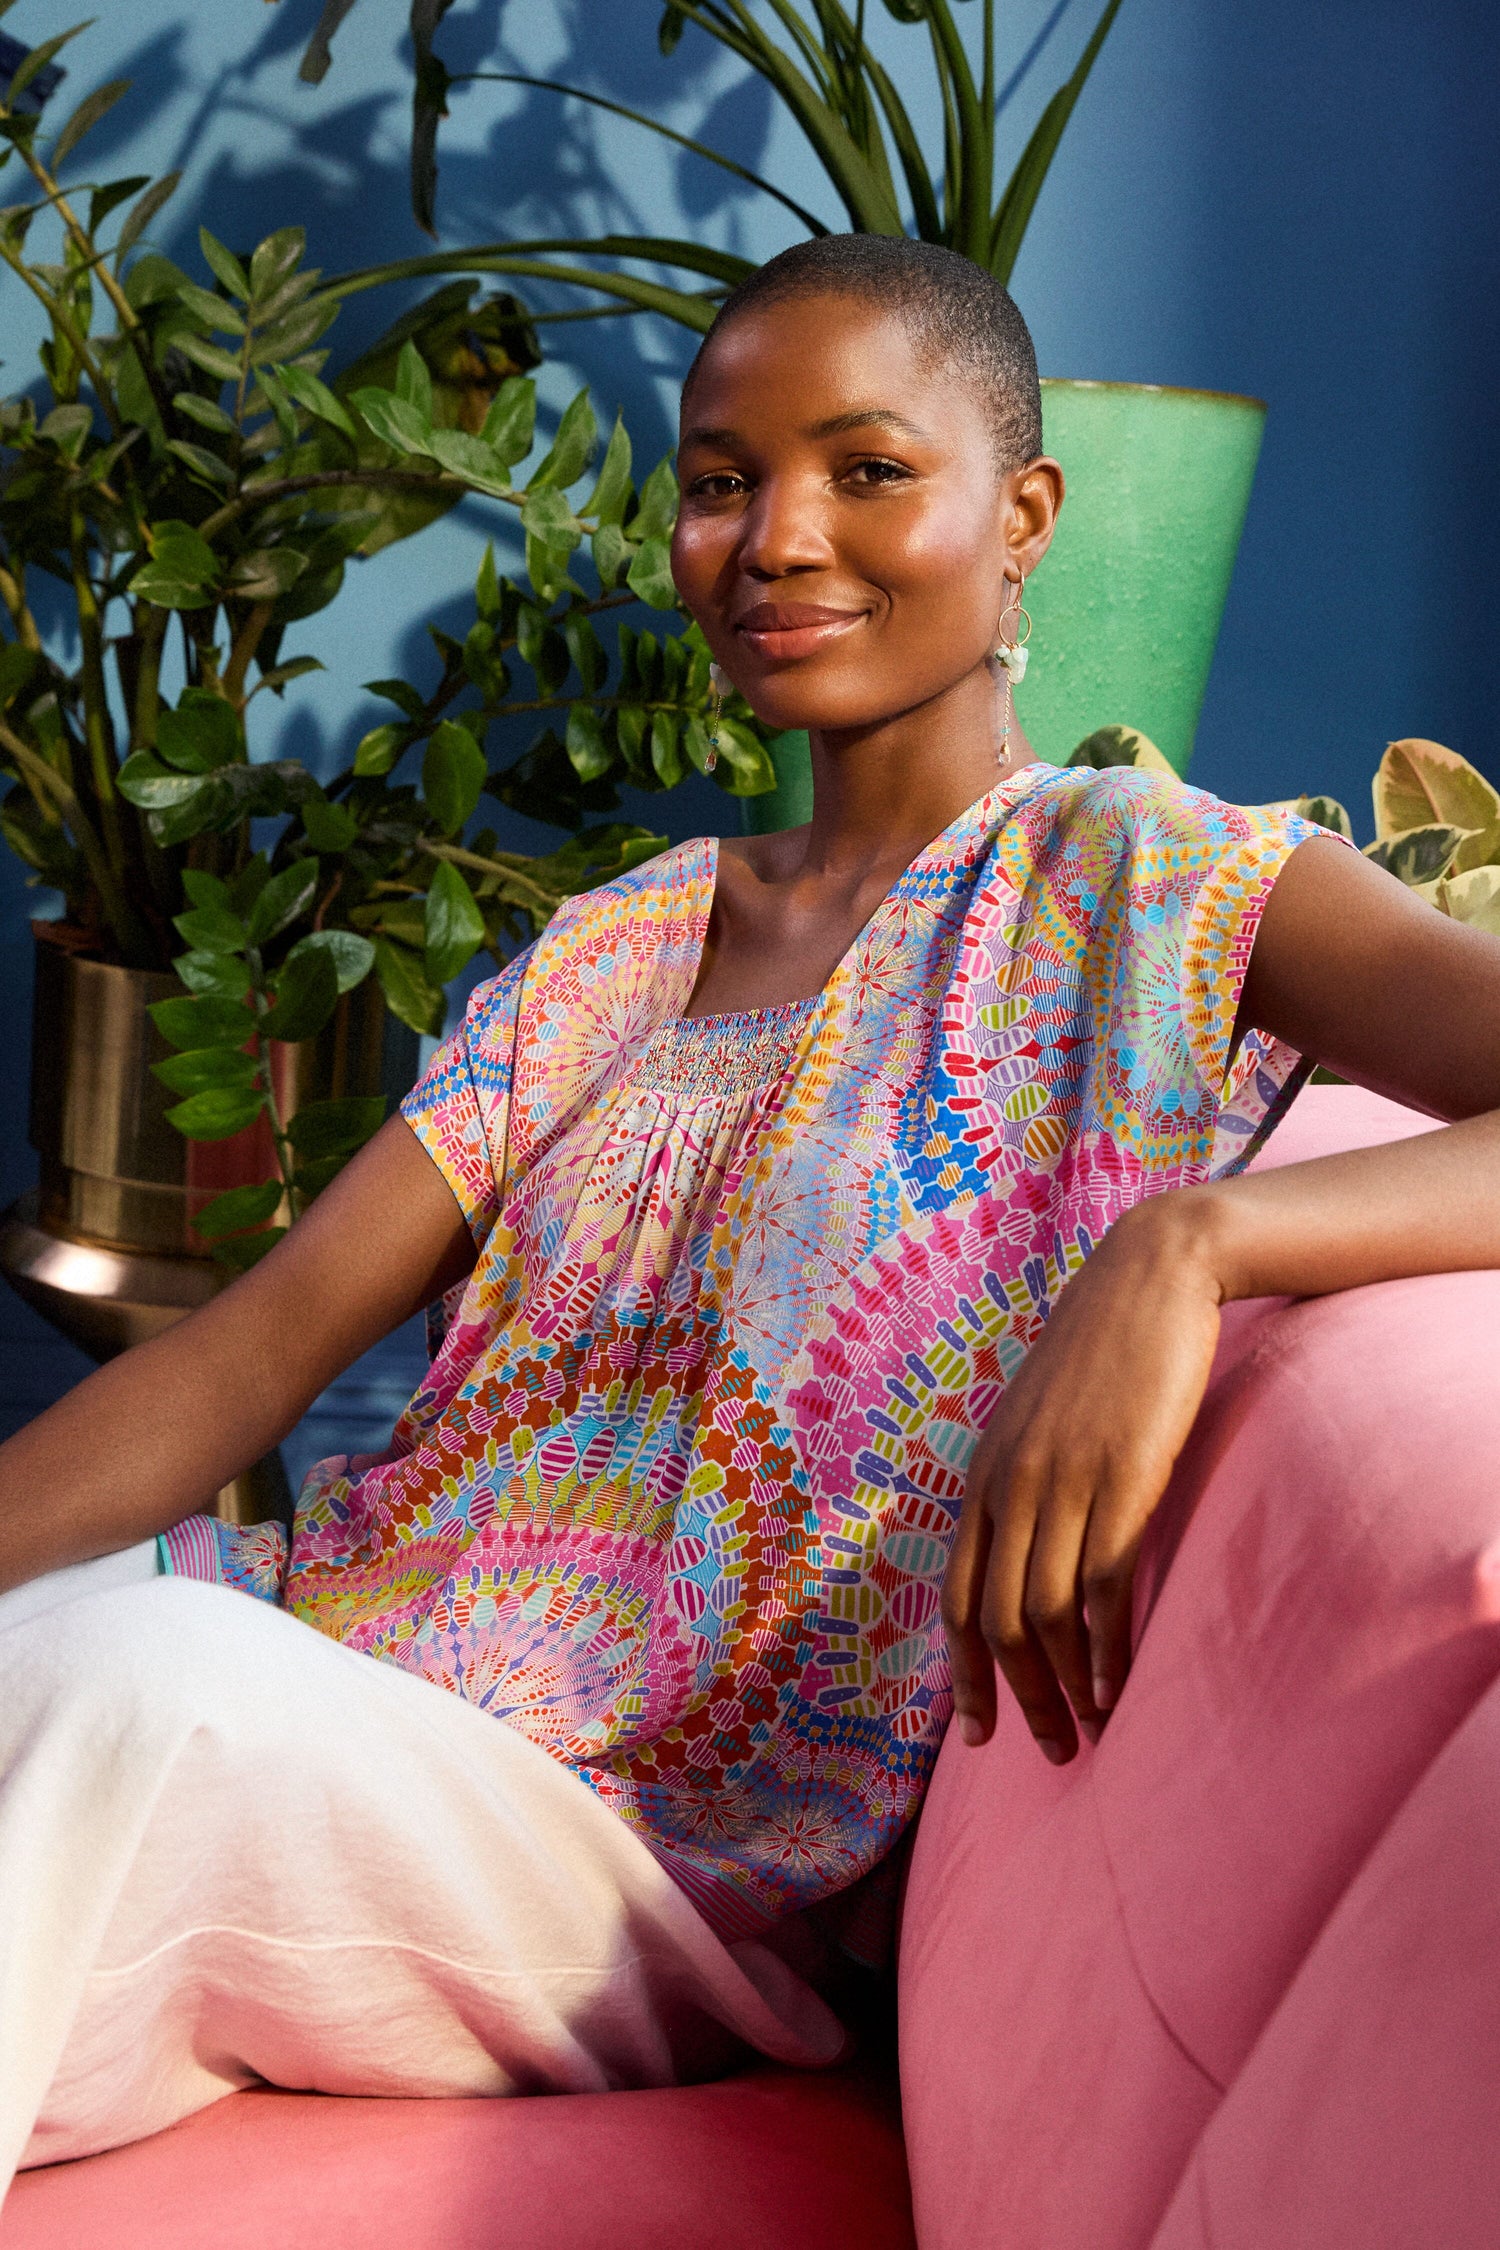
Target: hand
pixel 1065 1479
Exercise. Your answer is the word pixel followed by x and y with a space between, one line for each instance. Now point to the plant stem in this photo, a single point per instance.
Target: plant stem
pixel 461 858
pixel 242 648
pixel 150 635
pixel 280 488
pixel 42 777
pixel 97 728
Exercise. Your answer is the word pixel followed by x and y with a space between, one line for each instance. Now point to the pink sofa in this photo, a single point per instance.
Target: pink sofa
pixel 1132 2017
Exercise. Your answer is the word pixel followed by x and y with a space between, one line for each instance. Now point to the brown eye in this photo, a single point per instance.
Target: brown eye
pixel 875 471
pixel 719 484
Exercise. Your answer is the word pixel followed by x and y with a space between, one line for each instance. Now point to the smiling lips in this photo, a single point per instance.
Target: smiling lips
pixel 790 629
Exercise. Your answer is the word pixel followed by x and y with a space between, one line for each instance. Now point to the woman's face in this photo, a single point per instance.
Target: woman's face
pixel 844 533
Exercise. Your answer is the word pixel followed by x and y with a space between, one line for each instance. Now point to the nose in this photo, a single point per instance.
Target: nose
pixel 784 531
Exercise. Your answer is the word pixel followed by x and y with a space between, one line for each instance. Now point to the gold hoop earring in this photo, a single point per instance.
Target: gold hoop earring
pixel 1011 656
pixel 720 685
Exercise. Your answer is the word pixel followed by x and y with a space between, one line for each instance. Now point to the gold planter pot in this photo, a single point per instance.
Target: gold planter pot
pixel 105 1248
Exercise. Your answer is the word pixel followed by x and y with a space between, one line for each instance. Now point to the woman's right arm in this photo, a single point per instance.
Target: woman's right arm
pixel 151 1436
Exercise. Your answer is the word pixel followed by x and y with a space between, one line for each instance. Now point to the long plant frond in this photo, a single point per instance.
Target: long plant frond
pixel 1019 199
pixel 652 125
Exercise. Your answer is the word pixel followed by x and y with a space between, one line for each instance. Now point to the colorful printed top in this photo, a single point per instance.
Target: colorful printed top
pixel 676 1496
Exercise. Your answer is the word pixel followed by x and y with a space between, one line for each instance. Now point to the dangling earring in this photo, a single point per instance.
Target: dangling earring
pixel 1010 655
pixel 720 683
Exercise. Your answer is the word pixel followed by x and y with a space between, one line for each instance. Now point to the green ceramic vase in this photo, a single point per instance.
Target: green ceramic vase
pixel 1126 608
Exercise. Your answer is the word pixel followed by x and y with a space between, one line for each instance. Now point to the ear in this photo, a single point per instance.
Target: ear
pixel 1031 498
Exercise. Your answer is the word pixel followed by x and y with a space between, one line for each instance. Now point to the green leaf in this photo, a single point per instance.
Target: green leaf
pixel 379 750
pixel 267 574
pixel 284 897
pixel 393 420
pixel 318 399
pixel 670 29
pixel 84 118
pixel 222 973
pixel 408 994
pixel 211 929
pixel 414 380
pixel 307 992
pixel 611 551
pixel 168 589
pixel 202 734
pixel 657 512
pixel 510 424
pixel 611 495
pixel 453 777
pixel 750 772
pixel 216 1114
pixel 109 199
pixel 586 649
pixel 288 338
pixel 278 676
pixel 67 427
pixel 212 358
pixel 470 458
pixel 1421 855
pixel 666 758
pixel 224 265
pixel 207 890
pixel 205 1020
pixel 1328 813
pixel 140 215
pixel 246 888
pixel 217 314
pixel 547 518
pixel 202 1067
pixel 202 463
pixel 487 587
pixel 205 412
pixel 352 956
pixel 588 752
pixel 238 1208
pixel 37 60
pixel 650 575
pixel 330 828
pixel 274 259
pixel 454 924
pixel 336 1128
pixel 573 447
pixel 144 781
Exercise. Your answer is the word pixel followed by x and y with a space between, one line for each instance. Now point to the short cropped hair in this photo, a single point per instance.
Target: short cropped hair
pixel 953 310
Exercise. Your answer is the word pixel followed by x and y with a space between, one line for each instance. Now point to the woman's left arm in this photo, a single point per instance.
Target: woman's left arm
pixel 1349 967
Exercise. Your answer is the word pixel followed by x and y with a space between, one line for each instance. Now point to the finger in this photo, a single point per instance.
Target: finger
pixel 1111 1552
pixel 1007 1631
pixel 969 1659
pixel 1054 1596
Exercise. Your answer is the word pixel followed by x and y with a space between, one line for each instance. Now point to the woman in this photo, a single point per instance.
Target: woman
pixel 780 1171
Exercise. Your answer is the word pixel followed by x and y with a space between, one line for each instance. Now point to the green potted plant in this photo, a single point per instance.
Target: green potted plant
pixel 213 1003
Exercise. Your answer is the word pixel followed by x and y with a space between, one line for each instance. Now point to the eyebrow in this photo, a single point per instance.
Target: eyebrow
pixel 835 425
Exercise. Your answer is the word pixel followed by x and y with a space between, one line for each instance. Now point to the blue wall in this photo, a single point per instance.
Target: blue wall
pixel 1294 201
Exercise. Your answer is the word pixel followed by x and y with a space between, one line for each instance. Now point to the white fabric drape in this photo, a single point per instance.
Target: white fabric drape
pixel 232 1850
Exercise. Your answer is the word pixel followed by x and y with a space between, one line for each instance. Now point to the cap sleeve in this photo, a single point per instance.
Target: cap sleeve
pixel 1109 948
pixel 1190 879
pixel 460 1107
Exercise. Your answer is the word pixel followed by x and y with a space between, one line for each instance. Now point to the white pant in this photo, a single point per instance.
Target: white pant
pixel 232 1850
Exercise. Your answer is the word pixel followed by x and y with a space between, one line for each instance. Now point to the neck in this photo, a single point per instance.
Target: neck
pixel 881 793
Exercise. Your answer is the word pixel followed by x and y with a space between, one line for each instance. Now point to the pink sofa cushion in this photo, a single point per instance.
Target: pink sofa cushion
pixel 772 2160
pixel 1091 1955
